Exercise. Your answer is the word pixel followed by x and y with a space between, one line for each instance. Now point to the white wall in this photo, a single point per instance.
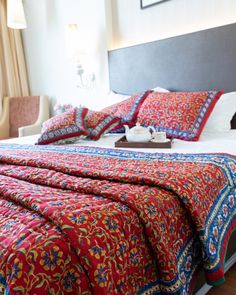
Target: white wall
pixel 132 25
pixel 50 70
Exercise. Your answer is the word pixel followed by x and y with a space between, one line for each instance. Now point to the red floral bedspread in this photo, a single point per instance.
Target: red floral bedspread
pixel 99 221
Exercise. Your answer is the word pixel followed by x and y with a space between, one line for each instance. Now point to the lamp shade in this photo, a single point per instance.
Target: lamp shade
pixel 15 14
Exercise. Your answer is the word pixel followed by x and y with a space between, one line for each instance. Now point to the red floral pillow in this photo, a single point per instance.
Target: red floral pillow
pixel 127 110
pixel 98 123
pixel 66 126
pixel 179 114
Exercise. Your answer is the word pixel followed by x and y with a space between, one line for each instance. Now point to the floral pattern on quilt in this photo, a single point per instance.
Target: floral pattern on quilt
pixel 132 223
pixel 98 123
pixel 179 114
pixel 65 127
pixel 127 110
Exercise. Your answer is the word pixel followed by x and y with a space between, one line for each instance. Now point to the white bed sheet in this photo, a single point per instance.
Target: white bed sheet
pixel 208 143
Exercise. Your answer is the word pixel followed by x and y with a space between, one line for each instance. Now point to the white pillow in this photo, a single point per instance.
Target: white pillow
pixel 116 97
pixel 222 114
pixel 159 89
pixel 111 98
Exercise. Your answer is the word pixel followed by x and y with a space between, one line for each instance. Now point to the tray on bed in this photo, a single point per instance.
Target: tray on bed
pixel 122 142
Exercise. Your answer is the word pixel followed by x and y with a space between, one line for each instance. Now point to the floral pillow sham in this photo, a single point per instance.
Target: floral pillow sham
pixel 98 123
pixel 127 110
pixel 180 114
pixel 65 127
pixel 76 123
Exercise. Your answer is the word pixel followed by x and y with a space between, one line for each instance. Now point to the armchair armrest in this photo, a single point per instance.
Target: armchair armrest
pixel 29 130
pixel 43 110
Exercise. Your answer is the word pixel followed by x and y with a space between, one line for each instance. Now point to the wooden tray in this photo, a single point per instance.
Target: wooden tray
pixel 122 142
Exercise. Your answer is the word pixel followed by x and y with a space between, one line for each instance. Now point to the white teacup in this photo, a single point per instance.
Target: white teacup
pixel 159 136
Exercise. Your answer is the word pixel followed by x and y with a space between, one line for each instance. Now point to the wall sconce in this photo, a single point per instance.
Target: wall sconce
pixel 15 14
pixel 76 52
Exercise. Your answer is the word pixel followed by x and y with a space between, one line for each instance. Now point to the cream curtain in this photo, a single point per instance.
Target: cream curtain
pixel 13 73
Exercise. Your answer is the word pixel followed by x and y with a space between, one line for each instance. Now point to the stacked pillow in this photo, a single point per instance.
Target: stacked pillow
pixel 75 124
pixel 182 115
pixel 78 123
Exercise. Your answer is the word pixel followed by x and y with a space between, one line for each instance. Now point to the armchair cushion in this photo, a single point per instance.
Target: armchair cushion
pixel 26 113
pixel 23 111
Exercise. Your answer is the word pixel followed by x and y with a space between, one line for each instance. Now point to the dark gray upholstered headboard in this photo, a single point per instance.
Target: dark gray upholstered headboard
pixel 198 61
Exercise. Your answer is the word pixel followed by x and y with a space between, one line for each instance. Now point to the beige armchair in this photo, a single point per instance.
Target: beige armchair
pixel 22 116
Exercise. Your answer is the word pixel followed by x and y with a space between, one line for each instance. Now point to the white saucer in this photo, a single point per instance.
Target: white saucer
pixel 161 141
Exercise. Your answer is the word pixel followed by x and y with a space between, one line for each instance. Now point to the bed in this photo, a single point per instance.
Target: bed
pixel 91 219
